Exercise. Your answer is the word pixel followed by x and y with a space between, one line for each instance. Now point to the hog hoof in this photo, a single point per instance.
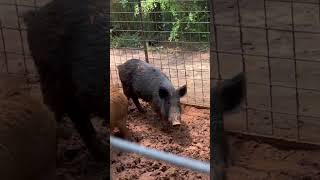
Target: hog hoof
pixel 176 124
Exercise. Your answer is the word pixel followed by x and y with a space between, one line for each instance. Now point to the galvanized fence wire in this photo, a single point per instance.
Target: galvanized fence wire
pixel 279 53
pixel 178 46
pixel 192 164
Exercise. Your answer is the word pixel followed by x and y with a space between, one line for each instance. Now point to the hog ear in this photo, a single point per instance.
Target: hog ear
pixel 119 67
pixel 163 92
pixel 182 90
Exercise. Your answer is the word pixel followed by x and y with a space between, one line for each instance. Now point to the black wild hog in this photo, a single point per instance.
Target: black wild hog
pixel 27 134
pixel 118 111
pixel 142 80
pixel 68 43
pixel 225 97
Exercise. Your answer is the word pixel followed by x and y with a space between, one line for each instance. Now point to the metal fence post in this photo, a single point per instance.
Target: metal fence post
pixel 142 33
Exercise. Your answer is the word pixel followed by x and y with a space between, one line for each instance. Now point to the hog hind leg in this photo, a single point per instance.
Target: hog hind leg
pixel 123 131
pixel 135 100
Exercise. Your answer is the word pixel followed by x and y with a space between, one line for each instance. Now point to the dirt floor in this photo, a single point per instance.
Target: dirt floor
pixel 74 161
pixel 254 160
pixel 190 140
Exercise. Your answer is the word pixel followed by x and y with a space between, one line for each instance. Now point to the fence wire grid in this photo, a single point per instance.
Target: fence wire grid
pixel 15 56
pixel 176 40
pixel 276 43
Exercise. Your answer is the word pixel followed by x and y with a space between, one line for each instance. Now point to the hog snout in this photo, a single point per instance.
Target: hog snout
pixel 175 119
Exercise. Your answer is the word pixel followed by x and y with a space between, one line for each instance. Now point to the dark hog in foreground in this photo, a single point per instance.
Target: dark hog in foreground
pixel 142 80
pixel 226 97
pixel 118 111
pixel 67 41
pixel 27 133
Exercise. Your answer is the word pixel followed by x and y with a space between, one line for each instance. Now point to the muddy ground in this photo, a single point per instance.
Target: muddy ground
pixel 254 160
pixel 73 160
pixel 251 160
pixel 192 140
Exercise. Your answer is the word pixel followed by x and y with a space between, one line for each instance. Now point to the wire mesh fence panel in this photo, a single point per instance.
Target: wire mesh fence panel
pixel 276 43
pixel 171 35
pixel 15 57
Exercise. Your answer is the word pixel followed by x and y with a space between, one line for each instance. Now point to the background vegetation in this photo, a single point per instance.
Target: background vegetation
pixel 163 21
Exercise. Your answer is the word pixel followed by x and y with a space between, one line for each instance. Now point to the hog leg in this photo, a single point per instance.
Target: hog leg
pixel 157 112
pixel 123 131
pixel 160 116
pixel 137 103
pixel 87 132
pixel 126 92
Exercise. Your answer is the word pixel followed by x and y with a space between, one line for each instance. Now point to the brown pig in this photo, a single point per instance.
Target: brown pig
pixel 118 111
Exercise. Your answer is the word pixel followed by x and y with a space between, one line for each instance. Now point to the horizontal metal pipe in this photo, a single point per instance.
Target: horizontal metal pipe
pixel 160 155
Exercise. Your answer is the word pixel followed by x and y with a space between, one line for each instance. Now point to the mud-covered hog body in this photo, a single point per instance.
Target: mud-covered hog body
pixel 67 40
pixel 118 111
pixel 27 136
pixel 142 80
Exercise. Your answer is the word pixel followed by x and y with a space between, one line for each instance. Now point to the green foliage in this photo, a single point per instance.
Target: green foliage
pixel 182 18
